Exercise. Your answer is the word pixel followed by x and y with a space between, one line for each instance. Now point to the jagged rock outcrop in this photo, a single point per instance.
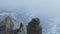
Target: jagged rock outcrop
pixel 20 30
pixel 34 27
pixel 6 24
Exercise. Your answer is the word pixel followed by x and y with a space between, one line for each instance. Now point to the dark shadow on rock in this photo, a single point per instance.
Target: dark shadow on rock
pixel 34 27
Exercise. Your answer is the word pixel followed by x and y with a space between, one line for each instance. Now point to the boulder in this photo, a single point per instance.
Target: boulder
pixel 34 27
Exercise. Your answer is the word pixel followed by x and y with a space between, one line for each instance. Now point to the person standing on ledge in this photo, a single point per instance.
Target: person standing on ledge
pixel 34 27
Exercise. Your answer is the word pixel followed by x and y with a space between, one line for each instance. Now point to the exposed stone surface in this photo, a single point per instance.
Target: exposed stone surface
pixel 34 27
pixel 20 30
pixel 6 24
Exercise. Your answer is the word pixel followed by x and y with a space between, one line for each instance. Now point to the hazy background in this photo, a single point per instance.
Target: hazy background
pixel 24 10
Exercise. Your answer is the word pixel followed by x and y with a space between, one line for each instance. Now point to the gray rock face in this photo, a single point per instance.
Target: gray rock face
pixel 21 29
pixel 34 27
pixel 6 25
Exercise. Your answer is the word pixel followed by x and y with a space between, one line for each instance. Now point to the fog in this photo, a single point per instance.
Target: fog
pixel 48 11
